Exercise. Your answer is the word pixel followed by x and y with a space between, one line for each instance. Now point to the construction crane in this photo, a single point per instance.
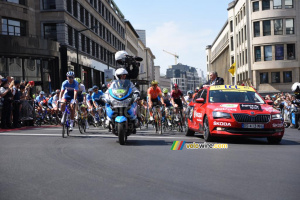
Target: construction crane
pixel 176 56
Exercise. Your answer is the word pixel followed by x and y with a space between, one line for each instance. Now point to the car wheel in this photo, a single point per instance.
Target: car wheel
pixel 206 134
pixel 188 132
pixel 274 140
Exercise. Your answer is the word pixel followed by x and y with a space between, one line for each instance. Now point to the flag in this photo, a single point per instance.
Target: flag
pixel 232 69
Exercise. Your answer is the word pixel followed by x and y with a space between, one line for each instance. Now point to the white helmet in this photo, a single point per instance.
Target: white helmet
pixel 295 86
pixel 121 55
pixel 119 72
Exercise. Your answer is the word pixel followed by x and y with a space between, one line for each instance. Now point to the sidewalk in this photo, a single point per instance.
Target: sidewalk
pixel 28 128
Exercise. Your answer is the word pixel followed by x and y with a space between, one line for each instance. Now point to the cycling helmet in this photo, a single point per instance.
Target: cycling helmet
pixel 78 80
pixel 119 72
pixel 295 86
pixel 165 90
pixel 154 82
pixel 95 87
pixel 175 86
pixel 57 91
pixel 53 93
pixel 189 92
pixel 70 73
pixel 121 55
pixel 42 92
pixel 90 90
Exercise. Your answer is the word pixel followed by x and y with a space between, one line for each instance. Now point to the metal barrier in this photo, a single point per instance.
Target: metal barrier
pixel 27 111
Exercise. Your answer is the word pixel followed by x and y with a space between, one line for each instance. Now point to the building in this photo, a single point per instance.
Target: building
pixel 184 76
pixel 131 39
pixel 142 35
pixel 165 82
pixel 24 53
pixel 262 38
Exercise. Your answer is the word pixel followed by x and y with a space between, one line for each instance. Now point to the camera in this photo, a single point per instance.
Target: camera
pixel 131 64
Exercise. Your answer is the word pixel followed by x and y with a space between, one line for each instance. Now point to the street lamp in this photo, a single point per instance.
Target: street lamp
pixel 77 45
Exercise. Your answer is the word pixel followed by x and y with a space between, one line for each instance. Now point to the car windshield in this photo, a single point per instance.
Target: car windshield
pixel 232 96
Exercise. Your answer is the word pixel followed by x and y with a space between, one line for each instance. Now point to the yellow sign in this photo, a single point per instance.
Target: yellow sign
pixel 232 69
pixel 232 88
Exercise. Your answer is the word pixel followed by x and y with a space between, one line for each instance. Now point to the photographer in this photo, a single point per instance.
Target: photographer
pixel 130 64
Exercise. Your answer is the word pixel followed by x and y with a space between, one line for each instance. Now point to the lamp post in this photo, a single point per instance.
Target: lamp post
pixel 77 45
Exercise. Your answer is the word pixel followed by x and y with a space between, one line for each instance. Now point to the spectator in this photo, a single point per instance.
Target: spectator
pixel 214 80
pixel 16 104
pixel 7 95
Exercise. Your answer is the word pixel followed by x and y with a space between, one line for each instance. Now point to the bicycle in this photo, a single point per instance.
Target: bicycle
pixel 178 119
pixel 66 119
pixel 81 119
pixel 157 118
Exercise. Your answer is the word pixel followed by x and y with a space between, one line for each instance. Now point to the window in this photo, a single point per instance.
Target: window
pixel 69 6
pixel 278 27
pixel 268 52
pixel 70 35
pixel 50 32
pixel 289 4
pixel 257 51
pixel 231 43
pixel 93 48
pixel 244 11
pixel 266 27
pixel 277 4
pixel 289 23
pixel 22 2
pixel 237 61
pixel 246 60
pixel 256 29
pixel 83 43
pixel 87 20
pixel 88 45
pixel 75 9
pixel 232 59
pixel 81 14
pixel 97 50
pixel 237 40
pixel 245 33
pixel 243 59
pixel 13 27
pixel 291 51
pixel 279 52
pixel 239 37
pixel 242 35
pixel 49 4
pixel 265 4
pixel 231 26
pixel 264 77
pixel 275 77
pixel 255 6
pixel 287 76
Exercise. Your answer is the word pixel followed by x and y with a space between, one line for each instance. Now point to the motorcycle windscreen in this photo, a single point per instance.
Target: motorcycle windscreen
pixel 120 88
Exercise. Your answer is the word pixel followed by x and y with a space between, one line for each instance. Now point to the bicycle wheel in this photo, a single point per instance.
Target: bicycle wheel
pixel 80 126
pixel 64 125
pixel 160 125
pixel 68 124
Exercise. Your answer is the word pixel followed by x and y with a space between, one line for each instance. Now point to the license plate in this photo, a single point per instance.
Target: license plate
pixel 252 126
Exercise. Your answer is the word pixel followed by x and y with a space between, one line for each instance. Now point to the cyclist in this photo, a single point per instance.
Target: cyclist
pixel 49 103
pixel 68 92
pixel 167 100
pixel 40 101
pixel 55 102
pixel 153 93
pixel 177 98
pixel 81 95
pixel 189 96
pixel 97 102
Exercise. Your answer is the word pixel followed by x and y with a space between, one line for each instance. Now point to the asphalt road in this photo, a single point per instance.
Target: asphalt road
pixel 40 164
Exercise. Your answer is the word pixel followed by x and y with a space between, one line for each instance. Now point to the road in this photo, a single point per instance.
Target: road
pixel 40 164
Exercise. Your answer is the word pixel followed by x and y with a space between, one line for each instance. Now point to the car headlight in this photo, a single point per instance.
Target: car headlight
pixel 217 115
pixel 277 116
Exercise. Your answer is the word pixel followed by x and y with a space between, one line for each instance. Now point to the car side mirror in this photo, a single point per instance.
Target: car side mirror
pixel 269 102
pixel 200 100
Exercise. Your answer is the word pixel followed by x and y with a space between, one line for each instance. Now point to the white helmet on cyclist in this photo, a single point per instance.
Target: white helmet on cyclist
pixel 119 72
pixel 120 55
pixel 70 73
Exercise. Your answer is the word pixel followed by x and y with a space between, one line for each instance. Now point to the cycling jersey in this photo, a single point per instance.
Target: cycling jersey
pixel 69 89
pixel 54 101
pixel 81 89
pixel 50 102
pixel 89 99
pixel 167 100
pixel 188 99
pixel 154 93
pixel 40 99
pixel 97 96
pixel 177 97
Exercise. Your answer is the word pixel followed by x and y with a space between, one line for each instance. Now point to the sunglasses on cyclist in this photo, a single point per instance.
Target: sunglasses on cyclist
pixel 71 77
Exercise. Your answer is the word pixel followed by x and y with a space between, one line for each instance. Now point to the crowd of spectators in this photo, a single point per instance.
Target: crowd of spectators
pixel 12 96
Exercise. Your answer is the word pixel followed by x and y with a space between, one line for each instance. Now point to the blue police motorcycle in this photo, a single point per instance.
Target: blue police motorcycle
pixel 121 108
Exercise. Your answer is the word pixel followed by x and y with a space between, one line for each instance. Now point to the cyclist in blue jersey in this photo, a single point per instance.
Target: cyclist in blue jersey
pixel 40 100
pixel 68 92
pixel 96 97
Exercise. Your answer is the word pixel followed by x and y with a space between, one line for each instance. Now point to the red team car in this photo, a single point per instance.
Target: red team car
pixel 231 110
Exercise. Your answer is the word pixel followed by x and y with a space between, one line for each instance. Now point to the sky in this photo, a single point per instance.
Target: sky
pixel 181 27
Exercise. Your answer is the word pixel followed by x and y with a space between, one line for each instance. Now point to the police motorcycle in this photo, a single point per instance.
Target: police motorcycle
pixel 121 103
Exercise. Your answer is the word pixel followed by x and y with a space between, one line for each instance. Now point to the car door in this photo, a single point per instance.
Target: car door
pixel 199 111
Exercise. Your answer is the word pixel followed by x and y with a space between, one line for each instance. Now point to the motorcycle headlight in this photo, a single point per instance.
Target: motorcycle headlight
pixel 277 116
pixel 217 115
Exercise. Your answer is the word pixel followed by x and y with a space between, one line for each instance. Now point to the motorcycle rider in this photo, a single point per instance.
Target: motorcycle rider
pixel 121 74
